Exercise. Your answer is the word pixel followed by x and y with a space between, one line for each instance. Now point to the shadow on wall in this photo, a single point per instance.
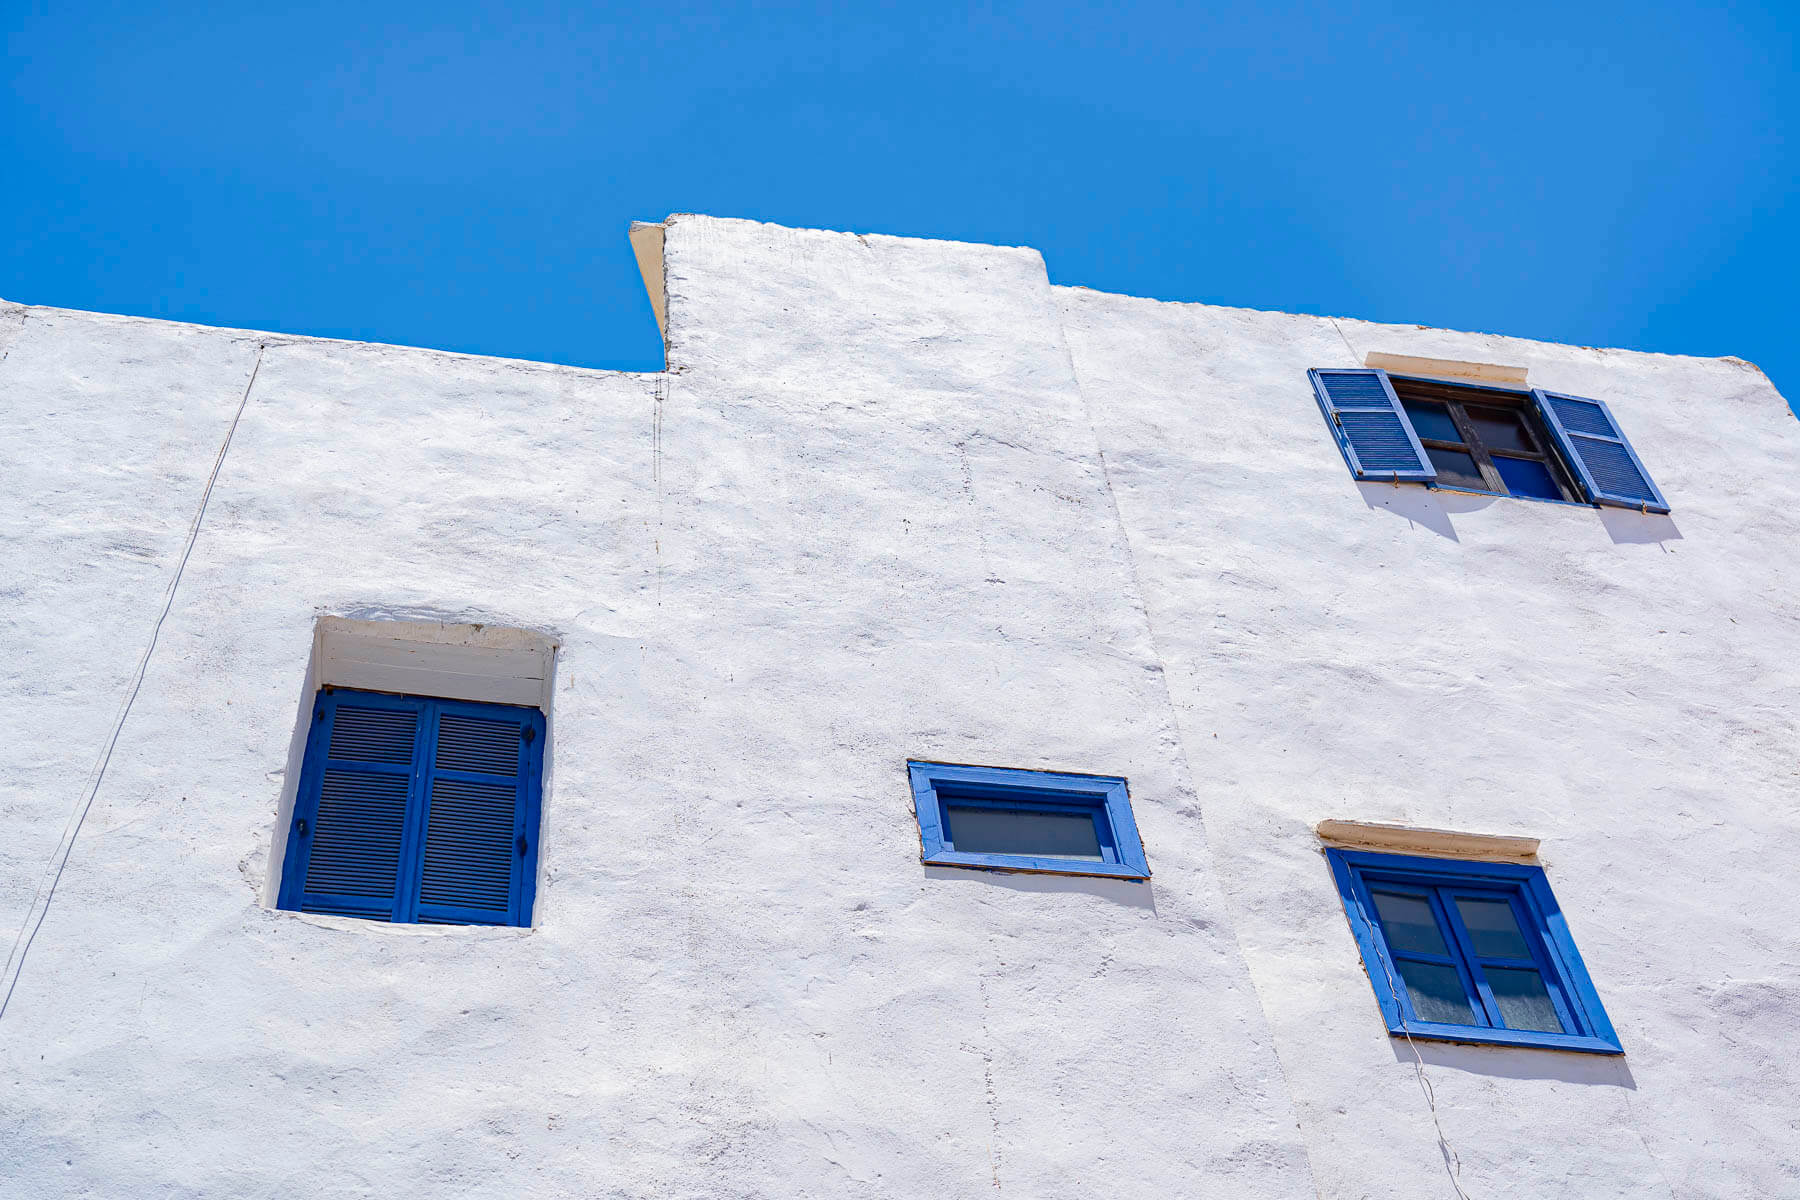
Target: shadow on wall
pixel 1627 527
pixel 1421 505
pixel 1509 1062
pixel 1129 892
pixel 1433 508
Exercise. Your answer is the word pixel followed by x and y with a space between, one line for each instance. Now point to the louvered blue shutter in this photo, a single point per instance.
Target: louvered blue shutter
pixel 478 849
pixel 347 849
pixel 1371 428
pixel 1595 447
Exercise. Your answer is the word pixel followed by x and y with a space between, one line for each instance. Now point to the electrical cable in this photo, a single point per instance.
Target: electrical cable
pixel 1452 1163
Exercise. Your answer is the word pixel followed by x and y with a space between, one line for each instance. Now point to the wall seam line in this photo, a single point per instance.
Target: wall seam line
pixel 1162 668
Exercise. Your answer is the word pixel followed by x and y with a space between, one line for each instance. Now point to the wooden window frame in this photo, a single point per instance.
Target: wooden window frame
pixel 1457 399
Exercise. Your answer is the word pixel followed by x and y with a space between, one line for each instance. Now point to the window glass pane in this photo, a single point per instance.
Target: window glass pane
pixel 1022 831
pixel 1436 993
pixel 1431 420
pixel 1456 469
pixel 1493 929
pixel 1523 1002
pixel 1525 477
pixel 1409 923
pixel 1500 428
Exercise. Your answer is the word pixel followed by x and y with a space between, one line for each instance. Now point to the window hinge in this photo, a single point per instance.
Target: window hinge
pixel 530 733
pixel 522 846
pixel 300 826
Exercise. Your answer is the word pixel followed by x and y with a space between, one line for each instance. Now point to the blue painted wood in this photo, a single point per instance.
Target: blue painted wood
pixel 1105 797
pixel 1592 443
pixel 1572 992
pixel 1370 426
pixel 436 821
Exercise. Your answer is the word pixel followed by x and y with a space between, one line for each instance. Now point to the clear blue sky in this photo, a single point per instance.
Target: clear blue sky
pixel 461 175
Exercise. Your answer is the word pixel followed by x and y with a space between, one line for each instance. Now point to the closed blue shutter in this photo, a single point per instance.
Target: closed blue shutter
pixel 1595 447
pixel 478 859
pixel 1371 428
pixel 411 809
pixel 347 848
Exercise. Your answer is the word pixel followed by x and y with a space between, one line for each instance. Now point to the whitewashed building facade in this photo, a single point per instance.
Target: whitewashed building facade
pixel 897 503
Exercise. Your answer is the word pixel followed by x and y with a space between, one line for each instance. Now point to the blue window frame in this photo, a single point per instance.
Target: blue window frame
pixel 1470 952
pixel 1007 819
pixel 416 810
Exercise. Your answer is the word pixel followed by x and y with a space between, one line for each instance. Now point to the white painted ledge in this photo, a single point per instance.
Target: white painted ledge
pixel 451 661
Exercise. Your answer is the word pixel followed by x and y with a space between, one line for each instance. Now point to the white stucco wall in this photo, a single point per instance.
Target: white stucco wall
pixel 111 426
pixel 1623 687
pixel 866 516
pixel 823 543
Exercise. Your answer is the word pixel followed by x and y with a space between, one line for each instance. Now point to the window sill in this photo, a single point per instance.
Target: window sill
pixel 1032 865
pixel 397 928
pixel 1519 1039
pixel 1438 487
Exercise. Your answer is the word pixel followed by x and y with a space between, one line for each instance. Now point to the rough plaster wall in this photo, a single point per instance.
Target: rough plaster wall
pixel 110 429
pixel 1623 687
pixel 862 519
pixel 169 1035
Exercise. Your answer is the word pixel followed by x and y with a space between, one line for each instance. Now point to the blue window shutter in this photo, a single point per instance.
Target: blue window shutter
pixel 416 810
pixel 1595 447
pixel 478 849
pixel 1371 428
pixel 347 848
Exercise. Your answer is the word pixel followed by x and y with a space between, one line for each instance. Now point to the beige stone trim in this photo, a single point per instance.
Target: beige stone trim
pixel 1437 843
pixel 1445 368
pixel 647 245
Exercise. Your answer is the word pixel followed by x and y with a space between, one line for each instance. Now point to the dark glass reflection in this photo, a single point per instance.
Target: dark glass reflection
pixel 1493 929
pixel 1456 469
pixel 1409 923
pixel 1500 428
pixel 1431 420
pixel 1436 993
pixel 1523 1001
pixel 1524 477
pixel 1023 831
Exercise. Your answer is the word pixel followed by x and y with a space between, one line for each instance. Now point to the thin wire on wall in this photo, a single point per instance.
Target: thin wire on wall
pixel 46 890
pixel 1452 1162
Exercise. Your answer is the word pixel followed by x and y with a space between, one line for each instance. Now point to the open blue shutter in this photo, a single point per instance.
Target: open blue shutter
pixel 479 848
pixel 1371 428
pixel 347 849
pixel 1594 446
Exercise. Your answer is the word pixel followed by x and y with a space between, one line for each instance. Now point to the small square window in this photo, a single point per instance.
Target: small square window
pixel 1470 952
pixel 416 810
pixel 1007 819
